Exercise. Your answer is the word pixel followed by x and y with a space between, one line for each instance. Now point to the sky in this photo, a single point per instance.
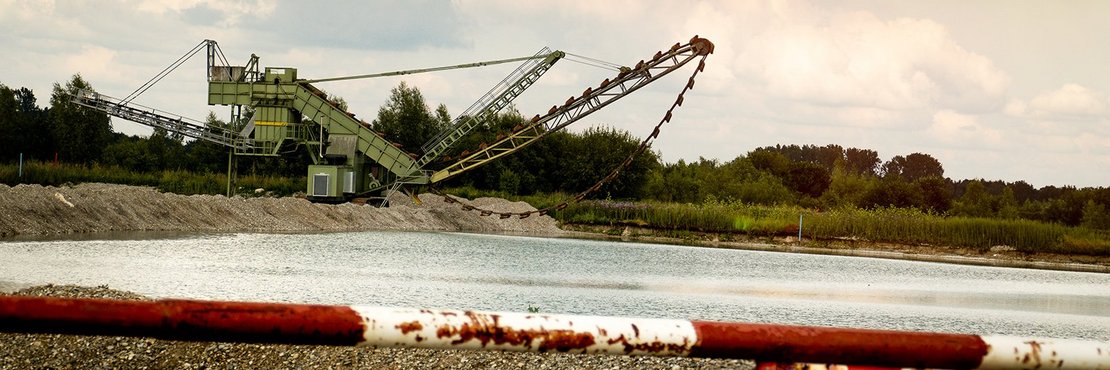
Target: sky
pixel 999 90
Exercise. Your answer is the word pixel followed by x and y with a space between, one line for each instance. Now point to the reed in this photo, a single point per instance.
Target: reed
pixel 889 225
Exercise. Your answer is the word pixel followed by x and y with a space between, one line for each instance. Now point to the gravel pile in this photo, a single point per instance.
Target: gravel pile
pixel 94 207
pixel 40 351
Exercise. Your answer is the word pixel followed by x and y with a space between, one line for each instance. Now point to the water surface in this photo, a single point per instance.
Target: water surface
pixel 511 273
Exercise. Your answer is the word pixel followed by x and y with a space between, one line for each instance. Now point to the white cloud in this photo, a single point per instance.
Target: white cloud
pixel 857 59
pixel 1070 100
pixel 27 9
pixel 1072 109
pixel 94 63
pixel 231 11
pixel 962 130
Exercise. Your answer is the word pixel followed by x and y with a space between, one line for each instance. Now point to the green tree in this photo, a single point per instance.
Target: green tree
pixel 913 167
pixel 1005 205
pixel 675 182
pixel 596 152
pixel 862 161
pixel 892 191
pixel 807 178
pixel 1095 216
pixel 975 202
pixel 847 187
pixel 204 156
pixel 130 152
pixel 405 118
pixel 10 122
pixel 24 126
pixel 81 134
pixel 771 161
pixel 936 194
pixel 165 149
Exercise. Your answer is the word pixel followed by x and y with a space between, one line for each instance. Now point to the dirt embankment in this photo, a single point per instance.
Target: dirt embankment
pixel 53 351
pixel 91 208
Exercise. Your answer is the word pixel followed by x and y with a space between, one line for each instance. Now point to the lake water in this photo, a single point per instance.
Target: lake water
pixel 511 273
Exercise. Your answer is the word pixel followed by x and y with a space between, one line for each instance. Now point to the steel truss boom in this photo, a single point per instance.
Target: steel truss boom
pixel 492 102
pixel 154 118
pixel 591 100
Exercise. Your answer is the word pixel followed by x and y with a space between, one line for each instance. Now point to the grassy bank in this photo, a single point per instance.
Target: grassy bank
pixel 889 225
pixel 173 181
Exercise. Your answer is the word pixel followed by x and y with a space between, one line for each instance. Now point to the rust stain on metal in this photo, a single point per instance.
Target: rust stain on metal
pixel 487 328
pixel 411 326
pixel 650 347
pixel 1035 352
pixel 636 330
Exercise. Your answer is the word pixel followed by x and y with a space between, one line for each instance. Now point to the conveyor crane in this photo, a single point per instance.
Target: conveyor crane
pixel 349 157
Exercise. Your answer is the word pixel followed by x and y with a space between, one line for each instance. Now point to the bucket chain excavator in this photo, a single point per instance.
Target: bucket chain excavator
pixel 350 159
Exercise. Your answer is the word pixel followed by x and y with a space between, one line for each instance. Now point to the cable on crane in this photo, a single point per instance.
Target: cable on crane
pixel 165 72
pixel 424 70
pixel 593 62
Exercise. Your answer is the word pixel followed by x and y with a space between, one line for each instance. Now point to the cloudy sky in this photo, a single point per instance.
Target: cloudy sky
pixel 1010 90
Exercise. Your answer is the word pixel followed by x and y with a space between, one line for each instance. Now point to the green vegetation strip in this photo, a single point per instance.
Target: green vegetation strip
pixel 891 225
pixel 172 181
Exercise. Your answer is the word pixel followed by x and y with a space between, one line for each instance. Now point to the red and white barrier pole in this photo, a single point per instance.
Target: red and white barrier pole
pixel 402 327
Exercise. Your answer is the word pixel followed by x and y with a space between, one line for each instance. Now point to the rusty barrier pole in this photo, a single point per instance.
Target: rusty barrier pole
pixel 403 327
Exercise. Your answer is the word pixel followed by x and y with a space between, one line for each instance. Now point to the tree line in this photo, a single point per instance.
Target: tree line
pixel 820 177
pixel 68 133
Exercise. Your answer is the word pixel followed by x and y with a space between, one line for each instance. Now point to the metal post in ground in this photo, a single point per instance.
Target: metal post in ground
pixel 21 166
pixel 230 153
pixel 799 228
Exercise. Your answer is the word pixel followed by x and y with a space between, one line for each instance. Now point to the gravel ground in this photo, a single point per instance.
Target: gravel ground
pixel 95 207
pixel 46 351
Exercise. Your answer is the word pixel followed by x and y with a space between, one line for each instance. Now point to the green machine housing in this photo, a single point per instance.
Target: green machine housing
pixel 349 158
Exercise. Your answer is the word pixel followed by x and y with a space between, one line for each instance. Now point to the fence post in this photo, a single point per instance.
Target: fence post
pixel 21 166
pixel 799 227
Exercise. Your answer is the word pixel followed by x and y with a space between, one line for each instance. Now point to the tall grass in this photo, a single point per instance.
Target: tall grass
pixel 910 226
pixel 709 217
pixel 893 225
pixel 173 181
